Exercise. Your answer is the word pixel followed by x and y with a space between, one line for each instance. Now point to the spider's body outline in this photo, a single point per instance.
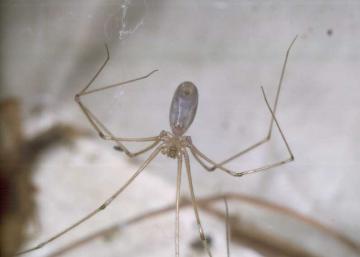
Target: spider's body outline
pixel 183 108
pixel 175 145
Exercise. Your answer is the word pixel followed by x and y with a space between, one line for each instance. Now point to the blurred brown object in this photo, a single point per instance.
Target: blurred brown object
pixel 242 233
pixel 17 158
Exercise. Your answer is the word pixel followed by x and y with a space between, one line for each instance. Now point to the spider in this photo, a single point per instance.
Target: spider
pixel 174 144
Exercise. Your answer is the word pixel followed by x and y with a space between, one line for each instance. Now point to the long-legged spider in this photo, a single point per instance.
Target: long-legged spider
pixel 173 144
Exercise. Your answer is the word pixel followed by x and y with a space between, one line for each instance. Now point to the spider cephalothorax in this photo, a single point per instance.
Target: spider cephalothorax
pixel 173 145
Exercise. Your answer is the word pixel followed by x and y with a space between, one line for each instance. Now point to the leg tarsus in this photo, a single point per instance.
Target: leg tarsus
pixel 193 200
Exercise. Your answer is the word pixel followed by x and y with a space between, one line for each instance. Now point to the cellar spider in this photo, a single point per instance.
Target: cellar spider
pixel 173 144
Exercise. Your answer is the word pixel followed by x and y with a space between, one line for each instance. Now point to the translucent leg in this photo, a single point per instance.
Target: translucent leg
pixel 198 154
pixel 177 228
pixel 194 204
pixel 268 136
pixel 227 227
pixel 100 128
pixel 101 207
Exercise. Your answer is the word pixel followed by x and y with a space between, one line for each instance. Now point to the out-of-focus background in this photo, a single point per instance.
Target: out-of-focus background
pixel 51 49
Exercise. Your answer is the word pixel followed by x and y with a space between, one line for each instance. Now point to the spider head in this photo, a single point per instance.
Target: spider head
pixel 170 151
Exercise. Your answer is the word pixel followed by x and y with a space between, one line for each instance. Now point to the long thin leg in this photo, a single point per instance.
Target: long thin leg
pixel 194 204
pixel 100 128
pixel 268 136
pixel 227 227
pixel 198 153
pixel 109 136
pixel 101 207
pixel 177 228
pixel 280 85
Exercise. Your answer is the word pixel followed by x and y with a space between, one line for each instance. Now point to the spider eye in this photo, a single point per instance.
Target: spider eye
pixel 187 89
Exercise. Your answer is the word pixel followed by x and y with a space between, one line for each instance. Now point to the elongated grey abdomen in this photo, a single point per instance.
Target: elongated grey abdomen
pixel 183 107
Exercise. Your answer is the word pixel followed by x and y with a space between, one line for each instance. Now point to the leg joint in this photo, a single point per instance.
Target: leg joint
pixel 77 98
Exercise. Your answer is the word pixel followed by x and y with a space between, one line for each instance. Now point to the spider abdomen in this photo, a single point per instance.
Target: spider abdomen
pixel 183 107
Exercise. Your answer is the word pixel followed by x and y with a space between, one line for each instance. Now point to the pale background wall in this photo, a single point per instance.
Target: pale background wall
pixel 50 49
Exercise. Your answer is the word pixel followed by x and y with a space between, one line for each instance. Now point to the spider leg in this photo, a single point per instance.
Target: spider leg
pixel 227 227
pixel 100 128
pixel 280 85
pixel 177 228
pixel 201 158
pixel 101 207
pixel 194 204
pixel 120 147
pixel 197 153
pixel 268 136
